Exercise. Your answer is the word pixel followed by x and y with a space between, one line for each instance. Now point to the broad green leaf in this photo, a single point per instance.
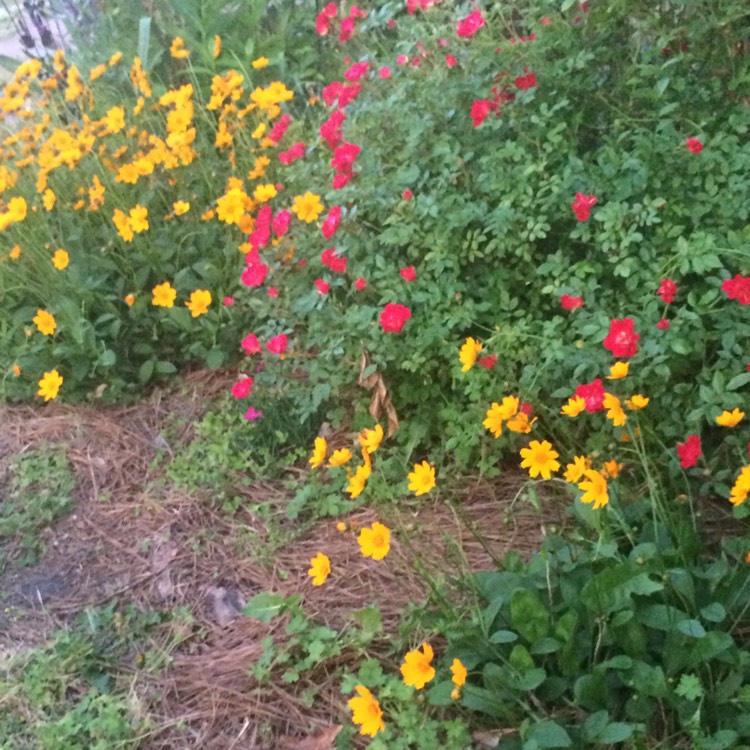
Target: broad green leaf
pixel 615 732
pixel 529 615
pixel 549 734
pixel 265 606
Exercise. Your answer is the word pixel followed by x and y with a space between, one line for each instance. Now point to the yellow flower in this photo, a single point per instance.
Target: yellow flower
pixel 259 131
pixel 129 299
pixel 614 410
pixel 138 218
pixel 370 439
pixel 164 295
pixel 114 59
pixel 741 487
pixel 417 669
pixel 319 452
pixel 231 206
pixel 15 253
pixel 60 259
pixel 45 322
pixel 730 418
pixel 636 402
pixel 497 414
pixel 259 63
pixel 264 193
pixel 611 469
pixel 49 385
pixel 539 458
pixel 375 542
pixel 618 370
pixel 122 222
pixel 320 569
pixel 217 45
pixel 574 471
pixel 115 119
pixel 16 370
pixel 177 50
pixel 422 479
pixel 341 526
pixel 520 423
pixel 97 71
pixel 340 457
pixel 49 199
pixel 307 207
pixel 180 207
pixel 458 677
pixel 468 353
pixel 358 480
pixel 575 405
pixel 595 489
pixel 366 712
pixel 199 301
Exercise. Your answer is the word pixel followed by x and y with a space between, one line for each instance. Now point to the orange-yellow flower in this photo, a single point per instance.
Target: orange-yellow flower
pixel 199 302
pixel 164 295
pixel 129 299
pixel 417 669
pixel 594 489
pixel 468 354
pixel 358 480
pixel 366 712
pixel 575 405
pixel 217 45
pixel 180 207
pixel 615 411
pixel 539 459
pixel 370 439
pixel 375 542
pixel 574 471
pixel 636 402
pixel 422 479
pixel 320 569
pixel 60 259
pixel 177 50
pixel 259 62
pixel 611 469
pixel 730 418
pixel 340 457
pixel 49 385
pixel 49 199
pixel 45 322
pixel 307 207
pixel 458 677
pixel 498 414
pixel 319 452
pixel 618 370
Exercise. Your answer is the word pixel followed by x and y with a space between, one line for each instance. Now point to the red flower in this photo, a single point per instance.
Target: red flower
pixel 487 362
pixel 346 29
pixel 526 82
pixel 278 344
pixel 407 195
pixel 242 388
pixel 322 286
pixel 690 451
pixel 737 288
pixel 408 274
pixel 582 206
pixel 469 26
pixel 384 72
pixel 694 146
pixel 281 222
pixel 279 129
pixel 330 130
pixel 526 408
pixel 356 71
pixel 297 151
pixel 622 340
pixel 570 303
pixel 360 284
pixel 228 301
pixel 593 394
pixel 273 292
pixel 250 344
pixel 663 324
pixel 451 61
pixel 393 317
pixel 254 275
pixel 479 111
pixel 667 290
pixel 331 222
pixel 332 260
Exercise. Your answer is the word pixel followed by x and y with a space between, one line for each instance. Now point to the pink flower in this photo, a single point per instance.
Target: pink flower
pixel 322 286
pixel 451 61
pixel 356 71
pixel 408 274
pixel 663 324
pixel 402 59
pixel 279 129
pixel 278 344
pixel 487 362
pixel 737 288
pixel 297 151
pixel 252 414
pixel 228 301
pixel 622 340
pixel 360 284
pixel 281 223
pixel 690 451
pixel 593 394
pixel 332 260
pixel 242 388
pixel 393 317
pixel 250 344
pixel 407 195
pixel 469 26
pixel 331 222
pixel 346 29
pixel 254 275
pixel 694 146
pixel 384 72
pixel 273 292
pixel 667 290
pixel 570 303
pixel 582 206
pixel 330 130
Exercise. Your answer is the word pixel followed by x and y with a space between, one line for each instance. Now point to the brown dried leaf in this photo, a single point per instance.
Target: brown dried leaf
pixel 322 740
pixel 381 399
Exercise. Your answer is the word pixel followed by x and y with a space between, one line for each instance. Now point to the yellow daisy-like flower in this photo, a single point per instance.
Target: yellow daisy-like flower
pixel 458 677
pixel 45 322
pixel 366 712
pixel 307 207
pixel 49 199
pixel 575 405
pixel 594 489
pixel 422 479
pixel 611 469
pixel 231 206
pixel 615 412
pixel 60 259
pixel 130 300
pixel 574 471
pixel 730 418
pixel 164 295
pixel 618 370
pixel 199 302
pixel 264 192
pixel 417 669
pixel 138 218
pixel 521 423
pixel 636 402
pixel 370 439
pixel 319 452
pixel 375 542
pixel 468 354
pixel 741 487
pixel 180 207
pixel 217 45
pixel 358 480
pixel 340 457
pixel 320 569
pixel 259 62
pixel 49 385
pixel 498 414
pixel 539 459
pixel 115 119
pixel 177 50
pixel 15 253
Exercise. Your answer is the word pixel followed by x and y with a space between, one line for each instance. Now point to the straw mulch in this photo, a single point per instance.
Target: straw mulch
pixel 133 540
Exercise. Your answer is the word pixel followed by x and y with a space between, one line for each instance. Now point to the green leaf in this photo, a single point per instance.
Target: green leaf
pixel 529 615
pixel 713 612
pixel 146 370
pixel 107 358
pixel 594 725
pixel 548 734
pixel 265 606
pixel 503 636
pixel 369 619
pixel 144 36
pixel 612 589
pixel 693 628
pixel 690 687
pixel 520 658
pixel 617 731
pixel 738 381
pixel 165 368
pixel 215 359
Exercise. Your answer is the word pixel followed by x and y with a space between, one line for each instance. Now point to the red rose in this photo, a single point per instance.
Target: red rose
pixel 408 274
pixel 393 317
pixel 469 26
pixel 694 146
pixel 570 303
pixel 242 388
pixel 250 344
pixel 278 344
pixel 667 290
pixel 663 324
pixel 622 340
pixel 689 452
pixel 322 286
pixel 332 260
pixel 737 288
pixel 360 284
pixel 487 362
pixel 593 394
pixel 582 206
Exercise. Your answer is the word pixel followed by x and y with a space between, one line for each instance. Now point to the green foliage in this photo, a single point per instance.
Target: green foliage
pixel 35 489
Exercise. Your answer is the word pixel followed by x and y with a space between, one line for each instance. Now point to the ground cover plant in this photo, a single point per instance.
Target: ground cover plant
pixel 490 237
